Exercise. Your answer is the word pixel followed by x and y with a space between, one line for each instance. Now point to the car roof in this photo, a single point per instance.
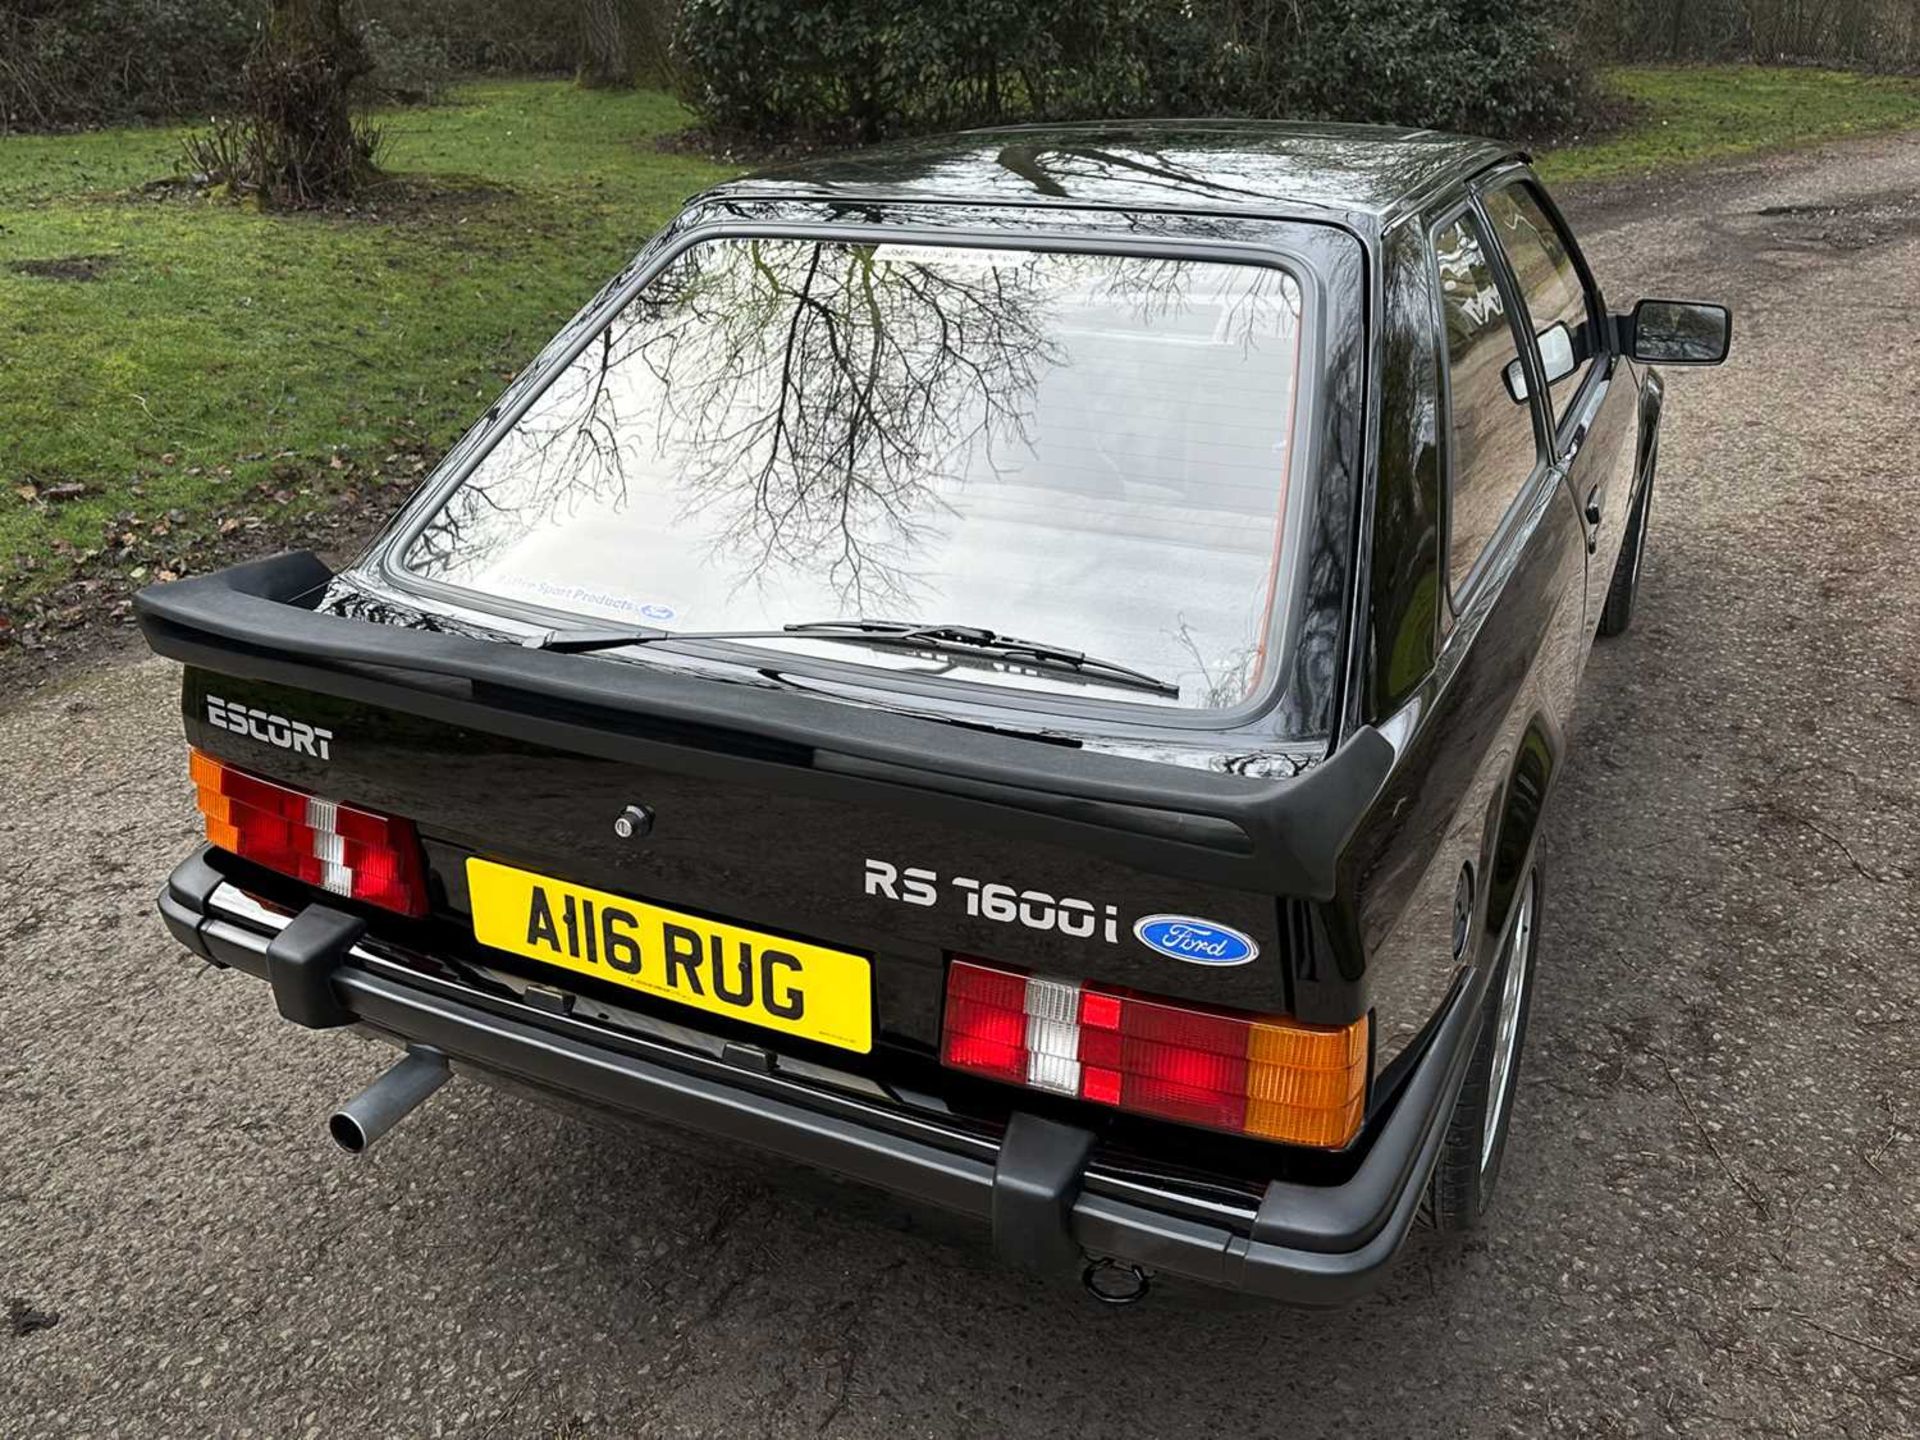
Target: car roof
pixel 1363 173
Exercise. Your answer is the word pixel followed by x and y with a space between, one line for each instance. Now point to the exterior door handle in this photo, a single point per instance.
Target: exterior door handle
pixel 1594 514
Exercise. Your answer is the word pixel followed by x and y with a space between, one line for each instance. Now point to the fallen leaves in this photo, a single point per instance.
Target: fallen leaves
pixel 332 500
pixel 34 493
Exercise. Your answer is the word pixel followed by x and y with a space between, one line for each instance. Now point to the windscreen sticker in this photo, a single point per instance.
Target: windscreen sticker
pixel 951 257
pixel 651 611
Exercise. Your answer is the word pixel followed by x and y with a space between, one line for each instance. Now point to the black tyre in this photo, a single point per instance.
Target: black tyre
pixel 1617 615
pixel 1469 1165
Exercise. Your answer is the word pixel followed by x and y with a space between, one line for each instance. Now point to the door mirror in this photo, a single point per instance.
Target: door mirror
pixel 1556 358
pixel 1677 332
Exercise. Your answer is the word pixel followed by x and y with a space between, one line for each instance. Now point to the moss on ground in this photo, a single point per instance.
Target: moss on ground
pixel 1686 115
pixel 169 361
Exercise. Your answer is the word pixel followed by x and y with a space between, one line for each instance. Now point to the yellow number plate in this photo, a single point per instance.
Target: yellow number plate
pixel 787 985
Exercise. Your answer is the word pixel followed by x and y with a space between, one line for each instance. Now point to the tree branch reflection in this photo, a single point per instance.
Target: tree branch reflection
pixel 840 417
pixel 828 393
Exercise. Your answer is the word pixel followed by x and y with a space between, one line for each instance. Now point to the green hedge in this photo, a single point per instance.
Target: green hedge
pixel 89 62
pixel 864 69
pixel 65 62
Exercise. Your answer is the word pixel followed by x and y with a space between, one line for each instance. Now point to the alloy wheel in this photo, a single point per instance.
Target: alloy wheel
pixel 1506 1035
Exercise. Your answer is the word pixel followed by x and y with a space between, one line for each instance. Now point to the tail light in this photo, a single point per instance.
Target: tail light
pixel 1258 1075
pixel 343 850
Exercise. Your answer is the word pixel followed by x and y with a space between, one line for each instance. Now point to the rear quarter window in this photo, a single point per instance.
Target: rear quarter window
pixel 1406 582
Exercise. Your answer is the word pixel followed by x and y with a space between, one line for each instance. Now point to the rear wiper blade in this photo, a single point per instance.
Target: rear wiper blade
pixel 971 639
pixel 985 642
pixel 580 642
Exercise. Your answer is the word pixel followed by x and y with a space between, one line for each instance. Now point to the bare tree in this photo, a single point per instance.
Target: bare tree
pixel 606 45
pixel 295 142
pixel 1880 34
pixel 301 81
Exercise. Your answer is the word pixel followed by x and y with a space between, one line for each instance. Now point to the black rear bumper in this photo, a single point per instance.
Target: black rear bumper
pixel 1040 1185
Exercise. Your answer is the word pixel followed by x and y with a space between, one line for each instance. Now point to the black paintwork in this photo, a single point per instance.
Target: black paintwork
pixel 1414 736
pixel 1188 166
pixel 1052 1191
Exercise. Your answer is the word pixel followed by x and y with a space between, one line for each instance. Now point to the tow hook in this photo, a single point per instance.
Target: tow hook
pixel 388 1100
pixel 1116 1282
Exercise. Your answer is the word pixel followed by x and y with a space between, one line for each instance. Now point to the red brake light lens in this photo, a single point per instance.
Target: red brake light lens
pixel 341 849
pixel 1260 1075
pixel 987 1023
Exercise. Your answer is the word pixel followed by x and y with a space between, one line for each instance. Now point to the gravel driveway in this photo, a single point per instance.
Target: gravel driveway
pixel 1710 1217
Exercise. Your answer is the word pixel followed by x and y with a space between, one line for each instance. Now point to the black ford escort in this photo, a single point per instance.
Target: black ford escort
pixel 1021 669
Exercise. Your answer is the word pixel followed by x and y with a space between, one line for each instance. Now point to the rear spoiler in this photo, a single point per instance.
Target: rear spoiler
pixel 1280 836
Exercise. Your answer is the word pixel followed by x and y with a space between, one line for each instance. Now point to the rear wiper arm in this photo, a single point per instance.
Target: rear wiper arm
pixel 580 642
pixel 976 637
pixel 1012 647
pixel 973 639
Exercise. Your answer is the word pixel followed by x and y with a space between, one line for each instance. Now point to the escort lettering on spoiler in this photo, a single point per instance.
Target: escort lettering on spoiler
pixel 294 735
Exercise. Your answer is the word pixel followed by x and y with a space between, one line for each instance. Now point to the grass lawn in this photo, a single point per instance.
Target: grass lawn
pixel 1686 115
pixel 171 367
pixel 195 363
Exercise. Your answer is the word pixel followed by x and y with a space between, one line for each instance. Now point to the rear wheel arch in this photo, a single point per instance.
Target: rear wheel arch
pixel 1462 1182
pixel 1513 828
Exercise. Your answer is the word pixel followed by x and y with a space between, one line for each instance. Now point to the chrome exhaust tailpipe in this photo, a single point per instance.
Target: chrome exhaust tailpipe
pixel 388 1100
pixel 1116 1282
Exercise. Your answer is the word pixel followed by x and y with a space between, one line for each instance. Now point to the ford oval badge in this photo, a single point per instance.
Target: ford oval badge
pixel 1199 942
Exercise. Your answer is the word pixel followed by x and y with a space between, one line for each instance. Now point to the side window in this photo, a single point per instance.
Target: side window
pixel 1407 590
pixel 1490 433
pixel 1560 312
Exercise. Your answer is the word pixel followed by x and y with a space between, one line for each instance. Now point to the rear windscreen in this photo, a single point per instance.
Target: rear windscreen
pixel 1089 450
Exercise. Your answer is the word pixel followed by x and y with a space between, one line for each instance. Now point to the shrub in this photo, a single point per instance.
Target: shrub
pixel 522 37
pixel 866 68
pixel 1455 65
pixel 85 62
pixel 860 68
pixel 405 69
pixel 66 62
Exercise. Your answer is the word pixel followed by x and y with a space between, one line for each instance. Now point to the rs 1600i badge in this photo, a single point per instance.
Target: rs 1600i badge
pixel 1179 937
pixel 990 900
